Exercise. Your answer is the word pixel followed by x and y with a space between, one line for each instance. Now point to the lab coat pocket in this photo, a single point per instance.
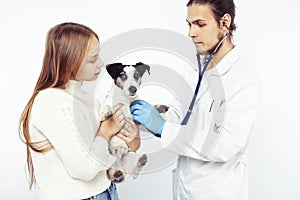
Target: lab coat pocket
pixel 205 118
pixel 204 109
pixel 213 114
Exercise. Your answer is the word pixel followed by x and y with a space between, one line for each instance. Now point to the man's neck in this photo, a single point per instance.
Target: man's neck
pixel 221 53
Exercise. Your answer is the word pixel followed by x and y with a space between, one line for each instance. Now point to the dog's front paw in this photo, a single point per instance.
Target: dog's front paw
pixel 161 108
pixel 108 115
pixel 106 112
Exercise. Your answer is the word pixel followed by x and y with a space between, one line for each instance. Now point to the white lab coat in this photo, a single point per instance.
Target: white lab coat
pixel 212 147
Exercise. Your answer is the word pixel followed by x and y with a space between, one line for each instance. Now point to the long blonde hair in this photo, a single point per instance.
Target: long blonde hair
pixel 65 50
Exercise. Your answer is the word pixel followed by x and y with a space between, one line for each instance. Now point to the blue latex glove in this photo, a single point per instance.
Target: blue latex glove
pixel 148 116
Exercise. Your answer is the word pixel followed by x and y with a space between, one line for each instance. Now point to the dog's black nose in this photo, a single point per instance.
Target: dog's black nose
pixel 132 89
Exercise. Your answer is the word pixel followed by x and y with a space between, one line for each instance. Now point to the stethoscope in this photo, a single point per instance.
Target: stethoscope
pixel 201 73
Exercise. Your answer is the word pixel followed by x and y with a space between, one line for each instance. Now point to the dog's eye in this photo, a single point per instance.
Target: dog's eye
pixel 136 76
pixel 123 77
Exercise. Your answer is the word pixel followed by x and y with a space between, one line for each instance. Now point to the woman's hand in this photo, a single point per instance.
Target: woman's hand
pixel 130 133
pixel 111 126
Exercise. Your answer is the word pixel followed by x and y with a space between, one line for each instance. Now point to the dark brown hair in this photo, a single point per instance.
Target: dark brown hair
pixel 219 8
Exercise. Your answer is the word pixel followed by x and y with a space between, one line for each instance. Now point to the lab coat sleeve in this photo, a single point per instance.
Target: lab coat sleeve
pixel 229 131
pixel 55 120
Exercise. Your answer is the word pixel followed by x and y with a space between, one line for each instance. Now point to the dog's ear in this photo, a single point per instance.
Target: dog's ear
pixel 141 68
pixel 114 69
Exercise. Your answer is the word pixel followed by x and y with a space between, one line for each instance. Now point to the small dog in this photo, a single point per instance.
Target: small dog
pixel 127 80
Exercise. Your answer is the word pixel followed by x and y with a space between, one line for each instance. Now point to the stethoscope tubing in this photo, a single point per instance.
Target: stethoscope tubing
pixel 201 73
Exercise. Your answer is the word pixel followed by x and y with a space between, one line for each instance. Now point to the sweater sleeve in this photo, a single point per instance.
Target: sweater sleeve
pixel 58 118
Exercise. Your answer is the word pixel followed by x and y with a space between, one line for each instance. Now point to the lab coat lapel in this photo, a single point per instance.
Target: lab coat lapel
pixel 217 73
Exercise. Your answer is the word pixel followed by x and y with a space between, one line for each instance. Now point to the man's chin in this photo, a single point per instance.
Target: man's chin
pixel 201 51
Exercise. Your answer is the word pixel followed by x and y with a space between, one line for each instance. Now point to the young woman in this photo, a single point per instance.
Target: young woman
pixel 67 151
pixel 212 145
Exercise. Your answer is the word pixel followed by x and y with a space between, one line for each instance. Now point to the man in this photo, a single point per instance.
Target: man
pixel 212 143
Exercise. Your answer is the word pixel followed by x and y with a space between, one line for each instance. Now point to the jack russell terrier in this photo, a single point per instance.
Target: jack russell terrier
pixel 127 80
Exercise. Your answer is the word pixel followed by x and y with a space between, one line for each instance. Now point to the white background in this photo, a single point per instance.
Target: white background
pixel 268 32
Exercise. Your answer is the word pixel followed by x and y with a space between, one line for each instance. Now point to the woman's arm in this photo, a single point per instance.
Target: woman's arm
pixel 62 125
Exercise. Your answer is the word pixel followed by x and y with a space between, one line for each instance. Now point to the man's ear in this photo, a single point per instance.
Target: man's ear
pixel 141 68
pixel 225 21
pixel 114 69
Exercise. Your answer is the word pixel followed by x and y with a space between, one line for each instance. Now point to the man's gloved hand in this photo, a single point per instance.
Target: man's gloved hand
pixel 148 116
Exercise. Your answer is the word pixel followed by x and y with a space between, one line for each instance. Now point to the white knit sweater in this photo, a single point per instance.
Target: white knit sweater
pixel 76 167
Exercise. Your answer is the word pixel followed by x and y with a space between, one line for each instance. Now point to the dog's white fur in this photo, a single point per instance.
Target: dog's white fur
pixel 127 162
